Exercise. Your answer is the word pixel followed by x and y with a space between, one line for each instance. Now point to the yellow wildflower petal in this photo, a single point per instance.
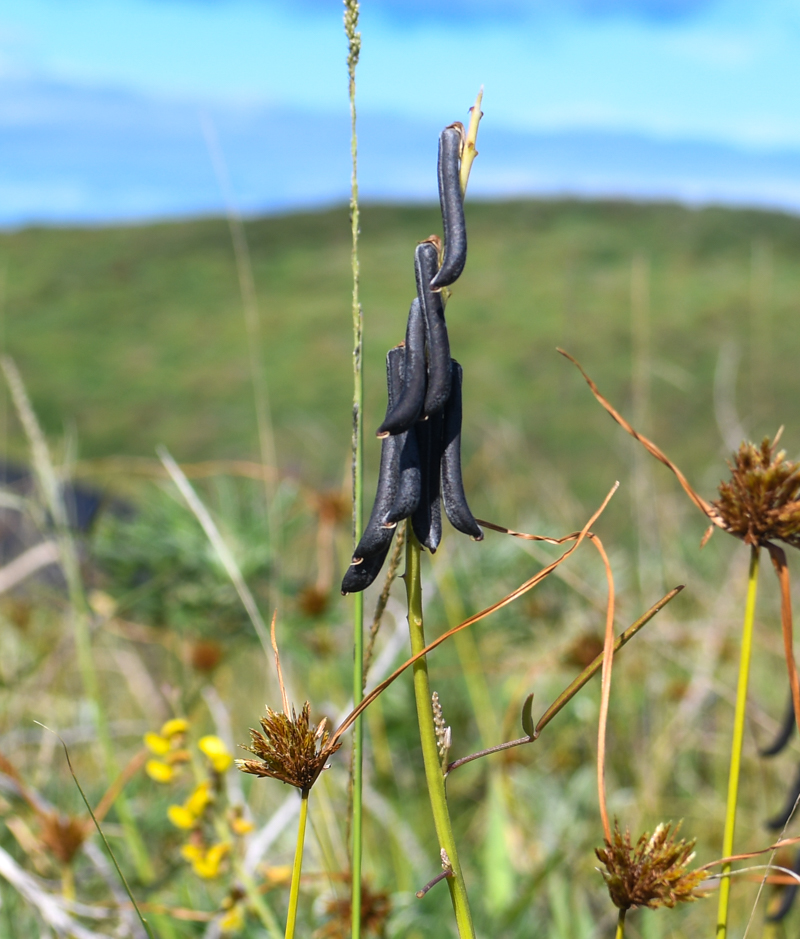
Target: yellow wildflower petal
pixel 233 920
pixel 241 826
pixel 216 751
pixel 181 817
pixel 191 852
pixel 159 771
pixel 157 744
pixel 208 866
pixel 178 725
pixel 199 799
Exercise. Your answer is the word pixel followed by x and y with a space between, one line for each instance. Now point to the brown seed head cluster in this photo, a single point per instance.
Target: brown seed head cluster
pixel 652 873
pixel 290 749
pixel 761 502
pixel 375 910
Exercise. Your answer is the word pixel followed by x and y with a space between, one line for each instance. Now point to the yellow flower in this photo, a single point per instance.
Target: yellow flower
pixel 233 920
pixel 174 727
pixel 181 817
pixel 216 751
pixel 241 826
pixel 199 799
pixel 205 862
pixel 157 744
pixel 161 772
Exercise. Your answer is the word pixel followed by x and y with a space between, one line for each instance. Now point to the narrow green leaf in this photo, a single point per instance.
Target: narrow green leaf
pixel 527 719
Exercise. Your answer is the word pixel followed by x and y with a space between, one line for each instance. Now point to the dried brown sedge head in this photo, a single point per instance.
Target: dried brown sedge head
pixel 653 872
pixel 375 910
pixel 290 748
pixel 761 501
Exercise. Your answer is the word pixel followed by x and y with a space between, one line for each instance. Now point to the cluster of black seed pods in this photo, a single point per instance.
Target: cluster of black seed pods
pixel 421 434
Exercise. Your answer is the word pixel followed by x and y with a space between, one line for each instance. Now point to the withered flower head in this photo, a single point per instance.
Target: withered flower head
pixel 375 910
pixel 652 873
pixel 63 835
pixel 290 749
pixel 761 502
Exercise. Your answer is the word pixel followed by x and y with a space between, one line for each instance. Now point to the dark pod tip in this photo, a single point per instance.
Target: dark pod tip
pixel 359 576
pixel 455 501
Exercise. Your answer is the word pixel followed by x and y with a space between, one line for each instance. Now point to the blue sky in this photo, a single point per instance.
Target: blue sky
pixel 100 100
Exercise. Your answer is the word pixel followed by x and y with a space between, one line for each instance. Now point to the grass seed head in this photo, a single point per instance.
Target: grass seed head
pixel 761 501
pixel 289 749
pixel 652 873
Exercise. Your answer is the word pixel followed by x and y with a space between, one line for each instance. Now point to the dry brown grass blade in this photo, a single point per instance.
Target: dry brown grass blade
pixel 778 557
pixel 605 691
pixel 284 696
pixel 783 843
pixel 509 598
pixel 651 448
pixel 110 796
pixel 524 535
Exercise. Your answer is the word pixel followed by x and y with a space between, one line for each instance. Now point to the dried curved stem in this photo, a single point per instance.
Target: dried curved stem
pixel 705 507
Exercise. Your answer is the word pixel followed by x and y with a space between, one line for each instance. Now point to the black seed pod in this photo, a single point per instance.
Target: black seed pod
pixel 453 496
pixel 452 203
pixel 787 896
pixel 409 401
pixel 409 485
pixel 376 536
pixel 438 391
pixel 359 576
pixel 782 818
pixel 784 734
pixel 427 519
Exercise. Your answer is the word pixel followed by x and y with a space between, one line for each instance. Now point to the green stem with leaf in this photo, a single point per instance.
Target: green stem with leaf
pixel 736 745
pixel 430 751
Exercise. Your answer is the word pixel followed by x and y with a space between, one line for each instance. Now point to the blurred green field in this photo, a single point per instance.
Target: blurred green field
pixel 132 337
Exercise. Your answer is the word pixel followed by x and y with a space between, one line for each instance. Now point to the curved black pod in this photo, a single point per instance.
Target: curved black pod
pixel 785 732
pixel 409 487
pixel 359 576
pixel 453 496
pixel 452 204
pixel 376 536
pixel 781 819
pixel 787 896
pixel 427 519
pixel 438 345
pixel 409 481
pixel 409 401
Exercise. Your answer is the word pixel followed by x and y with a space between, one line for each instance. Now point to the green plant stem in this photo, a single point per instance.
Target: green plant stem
pixel 620 934
pixel 353 51
pixel 262 911
pixel 736 745
pixel 294 892
pixel 427 734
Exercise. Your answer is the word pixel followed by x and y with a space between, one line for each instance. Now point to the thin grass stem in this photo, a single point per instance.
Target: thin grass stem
pixel 736 745
pixel 430 753
pixel 294 892
pixel 351 14
pixel 620 934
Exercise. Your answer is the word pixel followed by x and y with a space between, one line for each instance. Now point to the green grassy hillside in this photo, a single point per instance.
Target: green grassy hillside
pixel 135 336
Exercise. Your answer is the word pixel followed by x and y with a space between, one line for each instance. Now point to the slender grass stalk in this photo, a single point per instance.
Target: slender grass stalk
pixel 294 892
pixel 736 745
pixel 430 753
pixel 351 12
pixel 620 934
pixel 78 606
